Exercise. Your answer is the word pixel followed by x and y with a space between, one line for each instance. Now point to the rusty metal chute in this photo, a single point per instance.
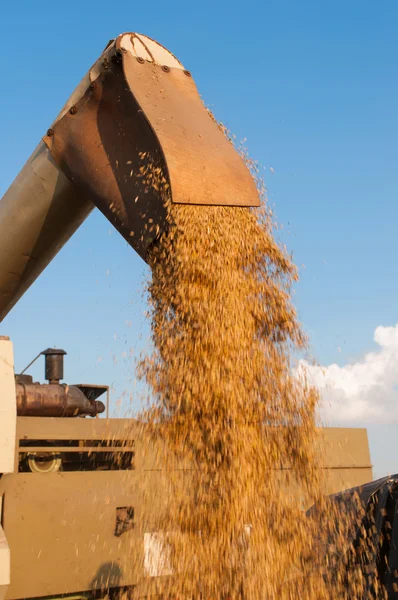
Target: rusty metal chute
pixel 140 134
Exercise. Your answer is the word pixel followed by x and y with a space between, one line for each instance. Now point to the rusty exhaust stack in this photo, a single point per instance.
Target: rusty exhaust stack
pixel 53 364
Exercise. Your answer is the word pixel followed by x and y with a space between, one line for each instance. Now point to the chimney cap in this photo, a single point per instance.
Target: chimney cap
pixel 53 351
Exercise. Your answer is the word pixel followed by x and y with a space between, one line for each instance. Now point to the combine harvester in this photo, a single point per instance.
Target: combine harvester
pixel 71 499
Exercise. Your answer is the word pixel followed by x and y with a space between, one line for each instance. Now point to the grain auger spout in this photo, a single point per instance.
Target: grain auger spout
pixel 134 134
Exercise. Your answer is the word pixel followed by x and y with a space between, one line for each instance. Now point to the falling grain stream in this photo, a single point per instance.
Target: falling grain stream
pixel 225 401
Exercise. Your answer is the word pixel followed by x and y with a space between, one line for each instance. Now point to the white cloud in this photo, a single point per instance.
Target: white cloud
pixel 364 392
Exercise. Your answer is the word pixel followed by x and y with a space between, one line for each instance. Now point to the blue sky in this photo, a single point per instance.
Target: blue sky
pixel 311 85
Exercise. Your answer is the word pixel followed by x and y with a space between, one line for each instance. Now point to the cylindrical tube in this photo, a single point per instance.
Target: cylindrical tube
pixel 54 364
pixel 39 212
pixel 37 400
